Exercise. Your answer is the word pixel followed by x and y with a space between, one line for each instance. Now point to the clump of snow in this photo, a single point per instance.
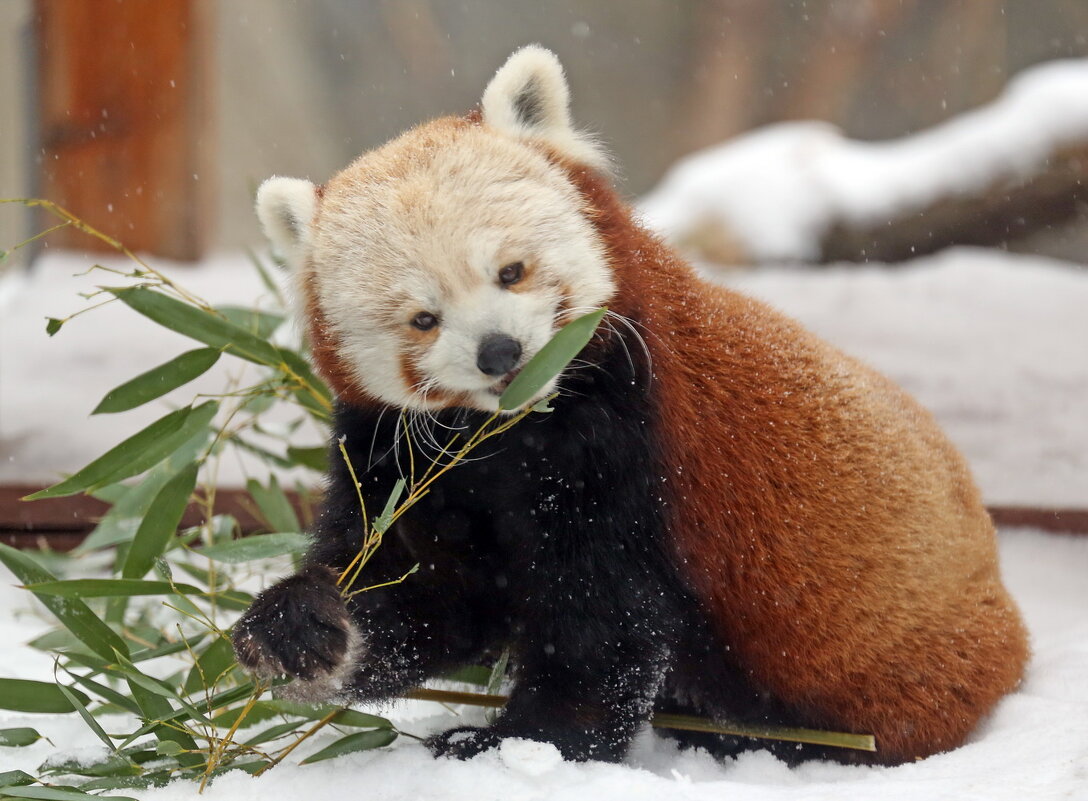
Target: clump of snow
pixel 529 757
pixel 778 189
pixel 1034 745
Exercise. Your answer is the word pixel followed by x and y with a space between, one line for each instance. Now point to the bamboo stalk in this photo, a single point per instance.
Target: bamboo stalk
pixel 859 742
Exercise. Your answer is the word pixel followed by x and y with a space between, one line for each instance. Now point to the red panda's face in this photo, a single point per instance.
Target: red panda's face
pixel 439 264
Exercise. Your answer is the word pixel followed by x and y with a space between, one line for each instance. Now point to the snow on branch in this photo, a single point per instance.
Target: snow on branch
pixel 800 191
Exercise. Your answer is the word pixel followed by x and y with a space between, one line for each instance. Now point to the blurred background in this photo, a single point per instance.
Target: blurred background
pixel 155 121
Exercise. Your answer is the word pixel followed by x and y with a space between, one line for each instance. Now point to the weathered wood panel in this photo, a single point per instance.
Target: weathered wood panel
pixel 124 113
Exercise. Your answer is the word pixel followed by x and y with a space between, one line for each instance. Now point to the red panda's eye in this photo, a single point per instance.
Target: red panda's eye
pixel 511 273
pixel 424 321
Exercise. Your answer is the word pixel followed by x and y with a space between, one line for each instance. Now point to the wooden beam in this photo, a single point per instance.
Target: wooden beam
pixel 124 119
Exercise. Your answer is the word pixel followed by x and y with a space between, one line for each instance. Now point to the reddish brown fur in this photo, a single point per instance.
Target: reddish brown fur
pixel 832 532
pixel 325 351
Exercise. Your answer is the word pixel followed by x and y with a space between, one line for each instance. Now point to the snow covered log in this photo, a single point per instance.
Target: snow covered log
pixel 801 192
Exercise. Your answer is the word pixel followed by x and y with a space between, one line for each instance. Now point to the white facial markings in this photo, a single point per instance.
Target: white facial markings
pixel 425 224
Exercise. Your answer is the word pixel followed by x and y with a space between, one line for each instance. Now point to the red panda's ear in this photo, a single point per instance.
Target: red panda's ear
pixel 286 207
pixel 528 98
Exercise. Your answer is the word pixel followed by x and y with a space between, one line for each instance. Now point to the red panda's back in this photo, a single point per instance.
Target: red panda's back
pixel 832 531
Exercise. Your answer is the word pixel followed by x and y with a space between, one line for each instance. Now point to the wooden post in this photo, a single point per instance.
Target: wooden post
pixel 124 111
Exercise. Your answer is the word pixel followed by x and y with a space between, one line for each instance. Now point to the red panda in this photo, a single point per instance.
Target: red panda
pixel 723 514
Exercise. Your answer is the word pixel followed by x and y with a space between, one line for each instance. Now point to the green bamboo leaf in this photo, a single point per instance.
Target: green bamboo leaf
pixel 211 665
pixel 111 695
pixel 550 360
pixel 160 523
pixel 359 741
pixel 313 458
pixel 225 698
pixel 131 503
pixel 259 323
pixel 15 778
pixel 53 325
pixel 136 454
pixel 471 674
pixel 262 546
pixel 17 738
pixel 382 521
pixel 72 613
pixel 112 588
pixel 203 326
pixel 56 794
pixel 156 382
pixel 81 707
pixel 24 695
pixel 272 732
pixel 273 505
pixel 360 720
pixel 156 710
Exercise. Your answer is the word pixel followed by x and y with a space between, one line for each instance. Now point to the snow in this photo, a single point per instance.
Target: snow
pixel 1035 745
pixel 993 343
pixel 776 190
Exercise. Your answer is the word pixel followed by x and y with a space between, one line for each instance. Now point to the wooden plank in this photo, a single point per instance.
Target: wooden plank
pixel 62 523
pixel 124 115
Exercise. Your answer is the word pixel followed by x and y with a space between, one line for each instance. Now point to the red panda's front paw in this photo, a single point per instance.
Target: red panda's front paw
pixel 301 628
pixel 463 742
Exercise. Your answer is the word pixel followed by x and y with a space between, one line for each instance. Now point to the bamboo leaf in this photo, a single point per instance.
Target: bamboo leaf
pixel 129 509
pixel 200 324
pixel 262 546
pixel 112 588
pixel 158 381
pixel 160 523
pixel 359 741
pixel 259 323
pixel 88 718
pixel 56 794
pixel 314 458
pixel 136 454
pixel 360 720
pixel 274 505
pixel 15 778
pixel 25 695
pixel 382 521
pixel 19 737
pixel 550 360
pixel 72 613
pixel 210 666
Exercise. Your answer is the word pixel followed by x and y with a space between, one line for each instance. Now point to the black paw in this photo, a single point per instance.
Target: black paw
pixel 463 742
pixel 299 627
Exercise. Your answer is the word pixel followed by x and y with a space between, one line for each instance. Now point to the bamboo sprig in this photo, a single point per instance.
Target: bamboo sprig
pixel 374 531
pixel 660 720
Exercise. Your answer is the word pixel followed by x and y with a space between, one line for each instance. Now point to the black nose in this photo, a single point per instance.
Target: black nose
pixel 498 354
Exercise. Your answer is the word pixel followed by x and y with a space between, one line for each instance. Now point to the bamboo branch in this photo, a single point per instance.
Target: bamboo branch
pixel 858 742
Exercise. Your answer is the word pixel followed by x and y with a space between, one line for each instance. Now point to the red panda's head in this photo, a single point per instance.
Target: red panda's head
pixel 432 268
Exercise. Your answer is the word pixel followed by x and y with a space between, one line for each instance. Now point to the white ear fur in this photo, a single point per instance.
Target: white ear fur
pixel 528 98
pixel 285 207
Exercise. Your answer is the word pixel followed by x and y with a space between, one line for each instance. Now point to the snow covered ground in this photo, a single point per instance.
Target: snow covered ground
pixel 1035 746
pixel 995 344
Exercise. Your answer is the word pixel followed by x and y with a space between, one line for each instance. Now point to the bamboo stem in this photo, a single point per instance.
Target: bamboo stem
pixel 859 742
